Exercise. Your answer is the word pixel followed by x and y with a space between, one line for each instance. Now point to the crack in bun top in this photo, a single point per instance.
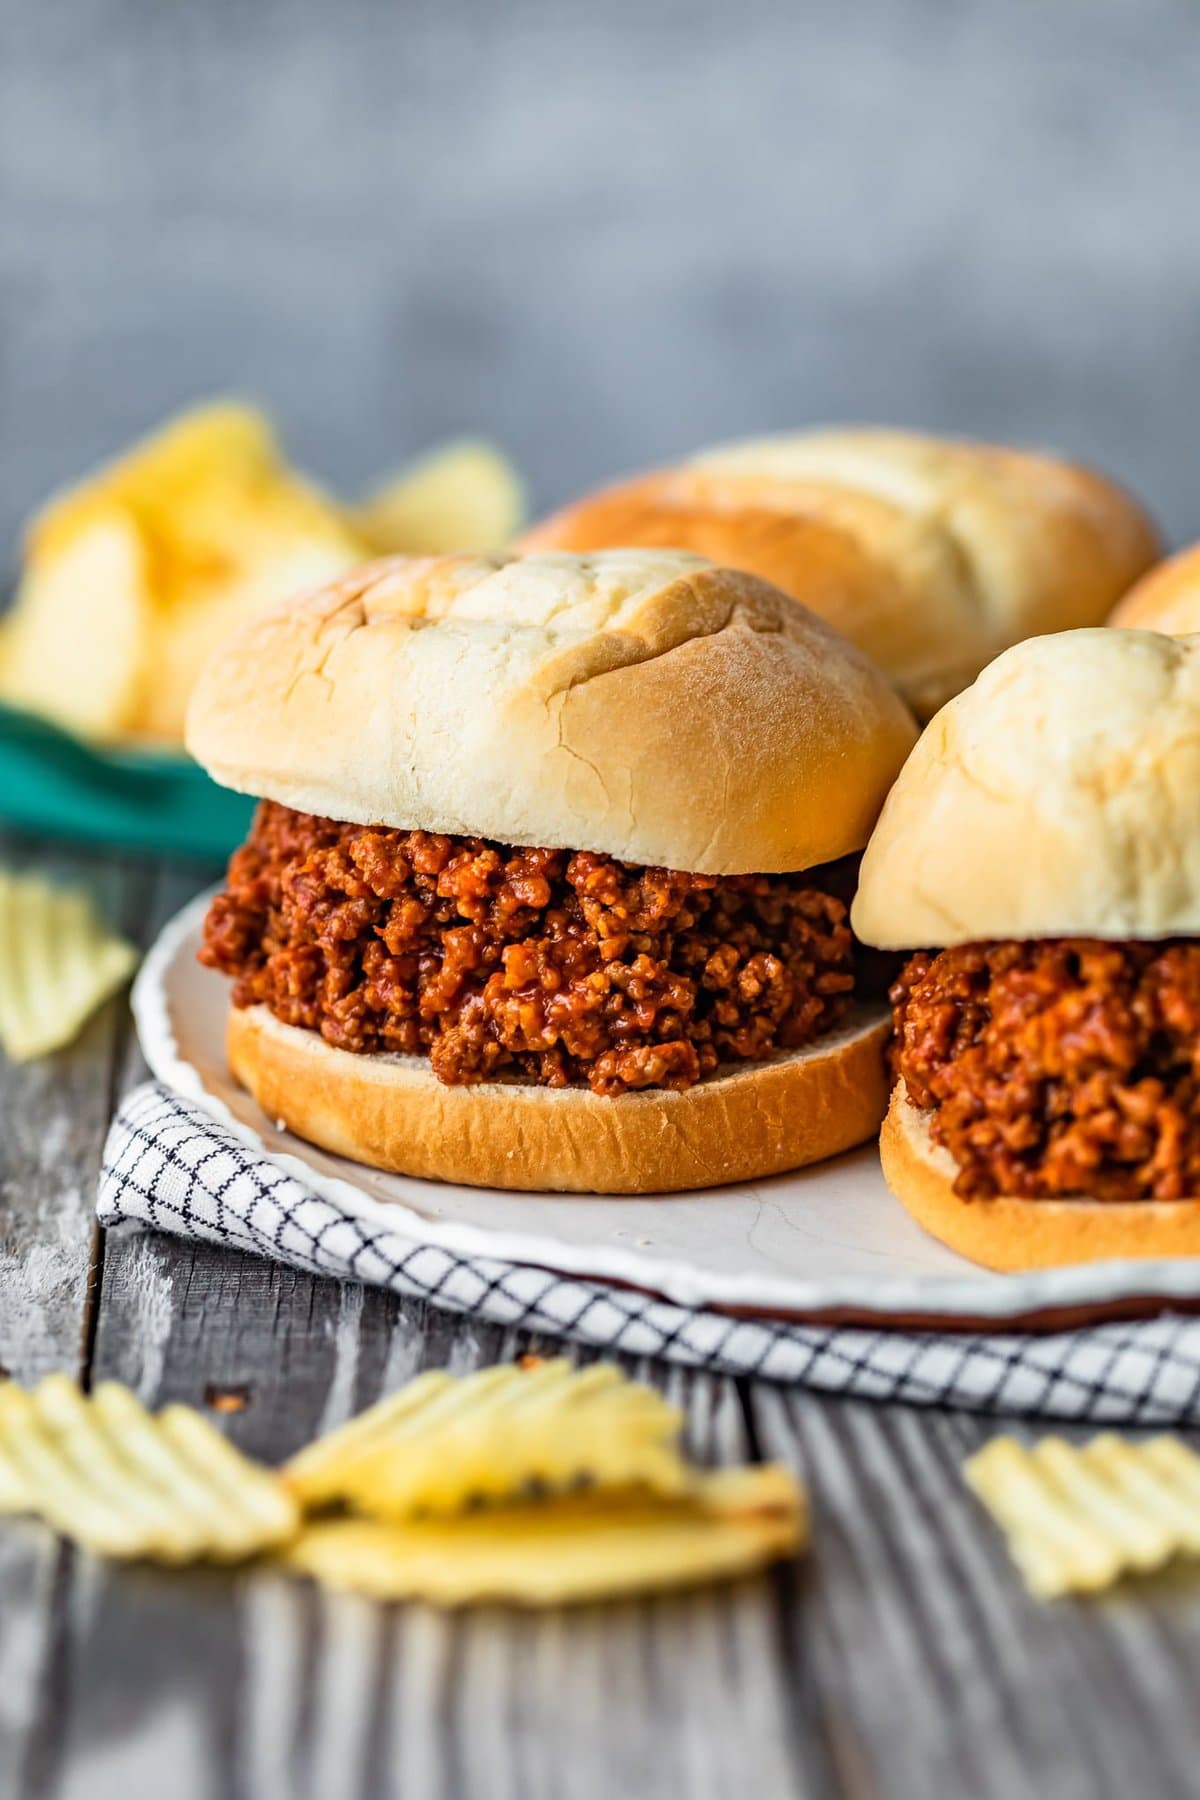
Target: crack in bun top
pixel 933 555
pixel 643 704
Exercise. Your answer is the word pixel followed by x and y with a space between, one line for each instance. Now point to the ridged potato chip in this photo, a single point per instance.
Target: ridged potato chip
pixel 571 1548
pixel 124 1483
pixel 464 497
pixel 1077 1517
pixel 441 1444
pixel 58 962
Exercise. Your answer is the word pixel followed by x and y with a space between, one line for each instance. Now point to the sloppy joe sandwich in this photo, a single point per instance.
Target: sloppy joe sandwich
pixel 932 555
pixel 1167 599
pixel 1040 857
pixel 548 887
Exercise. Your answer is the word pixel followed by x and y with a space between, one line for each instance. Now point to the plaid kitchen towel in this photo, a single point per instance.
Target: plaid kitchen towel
pixel 169 1166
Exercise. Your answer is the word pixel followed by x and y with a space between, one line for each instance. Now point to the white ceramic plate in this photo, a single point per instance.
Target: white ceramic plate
pixel 827 1241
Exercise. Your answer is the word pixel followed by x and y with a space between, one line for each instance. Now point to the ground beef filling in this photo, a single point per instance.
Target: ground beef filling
pixel 565 967
pixel 1058 1067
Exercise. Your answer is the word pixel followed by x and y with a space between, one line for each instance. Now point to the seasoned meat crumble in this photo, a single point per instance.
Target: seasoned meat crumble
pixel 1058 1067
pixel 565 967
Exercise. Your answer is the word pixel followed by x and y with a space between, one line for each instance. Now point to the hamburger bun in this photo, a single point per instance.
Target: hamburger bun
pixel 644 704
pixel 739 1124
pixel 1013 1235
pixel 931 555
pixel 1056 797
pixel 1167 599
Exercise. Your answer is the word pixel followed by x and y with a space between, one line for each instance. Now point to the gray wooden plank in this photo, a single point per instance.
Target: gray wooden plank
pixel 53 1117
pixel 298 1692
pixel 263 1685
pixel 681 1695
pixel 937 1673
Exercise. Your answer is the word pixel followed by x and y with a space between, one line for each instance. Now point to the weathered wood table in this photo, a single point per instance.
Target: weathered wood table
pixel 902 1659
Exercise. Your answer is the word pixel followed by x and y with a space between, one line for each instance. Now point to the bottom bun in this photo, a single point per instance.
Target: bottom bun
pixel 1012 1234
pixel 392 1113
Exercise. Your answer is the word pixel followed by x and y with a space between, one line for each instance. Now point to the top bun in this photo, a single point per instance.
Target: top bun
pixel 932 555
pixel 1055 798
pixel 646 705
pixel 1167 599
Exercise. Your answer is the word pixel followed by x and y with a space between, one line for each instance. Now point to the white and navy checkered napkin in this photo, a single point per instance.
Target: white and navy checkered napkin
pixel 170 1166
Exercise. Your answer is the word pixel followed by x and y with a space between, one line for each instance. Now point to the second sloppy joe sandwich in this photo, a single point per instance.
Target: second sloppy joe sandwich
pixel 1040 855
pixel 938 554
pixel 540 891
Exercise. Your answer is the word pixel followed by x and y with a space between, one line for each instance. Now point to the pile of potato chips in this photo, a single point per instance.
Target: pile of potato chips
pixel 132 578
pixel 1079 1516
pixel 535 1485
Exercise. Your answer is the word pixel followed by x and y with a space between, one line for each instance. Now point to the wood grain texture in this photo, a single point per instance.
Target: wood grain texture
pixel 901 1659
pixel 53 1118
pixel 317 1693
pixel 931 1662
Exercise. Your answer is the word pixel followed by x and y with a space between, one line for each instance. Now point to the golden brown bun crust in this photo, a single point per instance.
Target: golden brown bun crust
pixel 931 555
pixel 1167 599
pixel 641 703
pixel 1056 797
pixel 1013 1235
pixel 392 1113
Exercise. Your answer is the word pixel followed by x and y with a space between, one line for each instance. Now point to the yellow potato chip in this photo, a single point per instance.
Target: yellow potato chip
pixel 158 476
pixel 112 1477
pixel 58 962
pixel 1077 1517
pixel 464 497
pixel 15 1494
pixel 1057 1547
pixel 441 1444
pixel 76 647
pixel 1175 1464
pixel 1131 1472
pixel 1141 1542
pixel 133 577
pixel 566 1549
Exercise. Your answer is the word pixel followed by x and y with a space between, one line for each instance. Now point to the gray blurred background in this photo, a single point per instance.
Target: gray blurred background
pixel 604 233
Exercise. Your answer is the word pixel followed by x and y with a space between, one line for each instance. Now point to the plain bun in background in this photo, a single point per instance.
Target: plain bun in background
pixel 1011 1234
pixel 1167 599
pixel 1055 797
pixel 739 1124
pixel 643 704
pixel 933 555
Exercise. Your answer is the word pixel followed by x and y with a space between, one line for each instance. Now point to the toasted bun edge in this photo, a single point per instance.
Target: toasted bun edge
pixel 1013 1235
pixel 391 1113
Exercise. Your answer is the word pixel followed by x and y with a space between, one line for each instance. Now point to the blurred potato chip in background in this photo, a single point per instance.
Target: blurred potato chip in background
pixel 133 577
pixel 16 1495
pixel 78 646
pixel 127 1483
pixel 58 962
pixel 465 497
pixel 1077 1517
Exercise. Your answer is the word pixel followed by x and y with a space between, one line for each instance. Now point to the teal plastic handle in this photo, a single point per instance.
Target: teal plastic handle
pixel 52 783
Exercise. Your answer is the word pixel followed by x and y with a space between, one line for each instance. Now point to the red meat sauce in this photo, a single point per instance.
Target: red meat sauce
pixel 564 967
pixel 1057 1067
